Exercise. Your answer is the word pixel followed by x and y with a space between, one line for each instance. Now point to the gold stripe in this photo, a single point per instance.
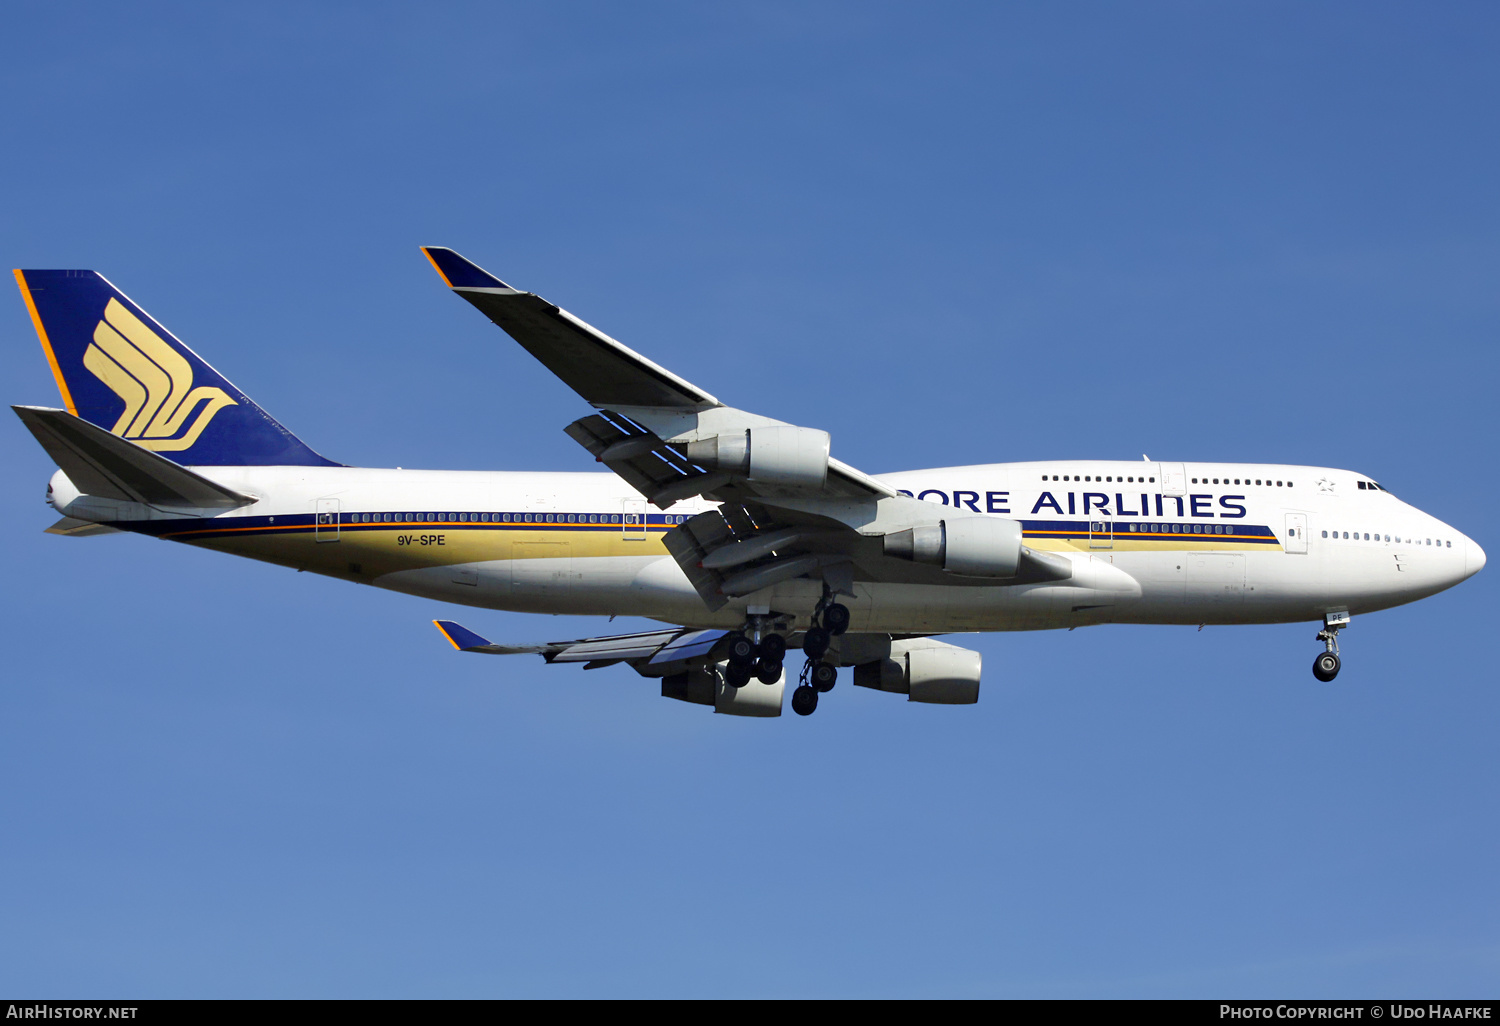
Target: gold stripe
pixel 217 400
pixel 435 267
pixel 141 367
pixel 119 380
pixel 447 635
pixel 177 371
pixel 36 319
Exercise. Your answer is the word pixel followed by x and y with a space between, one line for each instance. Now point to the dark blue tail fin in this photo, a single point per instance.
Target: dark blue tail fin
pixel 119 369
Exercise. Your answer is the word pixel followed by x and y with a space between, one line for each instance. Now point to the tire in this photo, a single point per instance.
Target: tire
pixel 836 619
pixel 824 677
pixel 1326 667
pixel 737 675
pixel 772 648
pixel 741 650
pixel 767 673
pixel 804 701
pixel 815 642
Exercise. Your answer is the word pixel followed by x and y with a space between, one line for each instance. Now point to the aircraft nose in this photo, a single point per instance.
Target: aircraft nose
pixel 1473 557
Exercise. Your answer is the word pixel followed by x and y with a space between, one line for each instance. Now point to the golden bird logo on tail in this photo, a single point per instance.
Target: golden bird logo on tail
pixel 155 381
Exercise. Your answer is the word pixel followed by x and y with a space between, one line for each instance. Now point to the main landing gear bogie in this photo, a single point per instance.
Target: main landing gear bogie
pixel 752 660
pixel 1326 666
pixel 757 653
pixel 819 677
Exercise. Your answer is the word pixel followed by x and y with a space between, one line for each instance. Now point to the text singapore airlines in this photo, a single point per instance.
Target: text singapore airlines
pixel 740 531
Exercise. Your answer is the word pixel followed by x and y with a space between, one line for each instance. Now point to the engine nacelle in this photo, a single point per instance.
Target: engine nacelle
pixel 971 546
pixel 706 686
pixel 925 671
pixel 774 455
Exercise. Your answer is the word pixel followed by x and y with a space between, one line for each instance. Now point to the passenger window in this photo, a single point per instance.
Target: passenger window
pixel 1325 534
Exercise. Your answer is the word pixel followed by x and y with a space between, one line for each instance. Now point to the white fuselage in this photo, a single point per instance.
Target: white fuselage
pixel 1149 543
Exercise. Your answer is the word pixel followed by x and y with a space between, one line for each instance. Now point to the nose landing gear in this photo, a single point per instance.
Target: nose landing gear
pixel 1326 666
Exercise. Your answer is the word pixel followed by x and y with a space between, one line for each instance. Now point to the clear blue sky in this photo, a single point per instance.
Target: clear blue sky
pixel 947 233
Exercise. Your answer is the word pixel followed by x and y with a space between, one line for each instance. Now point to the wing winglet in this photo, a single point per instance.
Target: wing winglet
pixel 465 640
pixel 460 273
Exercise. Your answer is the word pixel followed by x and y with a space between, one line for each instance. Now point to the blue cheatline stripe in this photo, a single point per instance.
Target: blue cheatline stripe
pixel 1155 530
pixel 352 522
pixel 655 523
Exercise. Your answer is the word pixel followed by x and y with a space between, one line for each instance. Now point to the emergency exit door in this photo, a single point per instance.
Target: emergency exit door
pixel 326 526
pixel 633 520
pixel 1296 532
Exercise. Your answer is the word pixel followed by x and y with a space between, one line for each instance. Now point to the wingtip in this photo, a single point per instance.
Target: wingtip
pixel 439 625
pixel 459 636
pixel 458 272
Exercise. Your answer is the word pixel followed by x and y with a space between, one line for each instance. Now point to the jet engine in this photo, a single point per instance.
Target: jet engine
pixel 774 455
pixel 971 546
pixel 925 671
pixel 705 685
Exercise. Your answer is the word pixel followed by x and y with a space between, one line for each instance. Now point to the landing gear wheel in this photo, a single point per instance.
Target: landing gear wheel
pixel 767 673
pixel 737 675
pixel 772 648
pixel 824 677
pixel 815 642
pixel 741 650
pixel 804 701
pixel 1326 667
pixel 836 619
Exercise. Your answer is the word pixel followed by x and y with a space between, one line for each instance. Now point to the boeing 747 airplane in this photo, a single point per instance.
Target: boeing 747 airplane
pixel 741 532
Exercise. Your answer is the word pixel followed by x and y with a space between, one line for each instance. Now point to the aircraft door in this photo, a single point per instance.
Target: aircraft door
pixel 1101 534
pixel 1173 479
pixel 633 520
pixel 326 521
pixel 1296 532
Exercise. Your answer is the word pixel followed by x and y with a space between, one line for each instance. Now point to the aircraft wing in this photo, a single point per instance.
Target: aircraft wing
pixel 651 417
pixel 603 371
pixel 787 508
pixel 659 650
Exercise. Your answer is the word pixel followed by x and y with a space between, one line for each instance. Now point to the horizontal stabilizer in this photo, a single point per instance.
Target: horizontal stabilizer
pixel 108 466
pixel 73 528
pixel 602 370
